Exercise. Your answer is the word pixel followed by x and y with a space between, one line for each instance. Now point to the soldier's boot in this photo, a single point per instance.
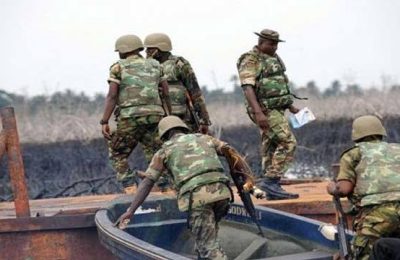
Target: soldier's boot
pixel 274 190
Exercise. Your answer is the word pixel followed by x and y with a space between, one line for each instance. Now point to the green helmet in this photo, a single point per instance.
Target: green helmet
pixel 160 41
pixel 365 126
pixel 169 122
pixel 128 43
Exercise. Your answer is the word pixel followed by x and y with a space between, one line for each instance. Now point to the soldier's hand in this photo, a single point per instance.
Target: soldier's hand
pixel 105 130
pixel 203 129
pixel 331 187
pixel 259 194
pixel 293 109
pixel 261 120
pixel 123 221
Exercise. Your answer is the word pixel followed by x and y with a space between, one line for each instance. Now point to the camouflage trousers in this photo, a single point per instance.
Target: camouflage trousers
pixel 278 145
pixel 203 224
pixel 372 223
pixel 130 132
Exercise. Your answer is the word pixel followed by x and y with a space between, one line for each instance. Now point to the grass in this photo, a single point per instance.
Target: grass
pixel 74 123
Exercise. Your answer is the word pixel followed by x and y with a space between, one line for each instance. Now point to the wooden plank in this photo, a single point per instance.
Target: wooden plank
pixel 313 200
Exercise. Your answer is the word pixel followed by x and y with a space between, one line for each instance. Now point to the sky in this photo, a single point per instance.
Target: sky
pixel 53 45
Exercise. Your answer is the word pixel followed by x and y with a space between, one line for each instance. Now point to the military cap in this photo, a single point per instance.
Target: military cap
pixel 269 34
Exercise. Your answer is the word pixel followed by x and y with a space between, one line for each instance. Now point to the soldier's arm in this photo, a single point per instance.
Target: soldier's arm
pixel 111 99
pixel 164 91
pixel 234 160
pixel 188 77
pixel 248 69
pixel 153 172
pixel 346 178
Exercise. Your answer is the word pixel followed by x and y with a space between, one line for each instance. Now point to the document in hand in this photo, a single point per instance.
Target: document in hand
pixel 304 116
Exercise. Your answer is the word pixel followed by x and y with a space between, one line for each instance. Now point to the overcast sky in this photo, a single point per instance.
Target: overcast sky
pixel 50 45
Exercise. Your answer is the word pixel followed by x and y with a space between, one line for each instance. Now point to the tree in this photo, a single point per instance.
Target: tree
pixel 334 90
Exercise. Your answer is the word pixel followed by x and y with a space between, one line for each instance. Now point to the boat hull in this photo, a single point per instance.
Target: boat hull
pixel 160 232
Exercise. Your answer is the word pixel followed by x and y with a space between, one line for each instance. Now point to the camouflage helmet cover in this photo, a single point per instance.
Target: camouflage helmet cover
pixel 365 126
pixel 128 43
pixel 158 40
pixel 169 122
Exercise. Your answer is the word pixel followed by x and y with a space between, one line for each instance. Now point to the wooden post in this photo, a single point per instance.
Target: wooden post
pixel 15 163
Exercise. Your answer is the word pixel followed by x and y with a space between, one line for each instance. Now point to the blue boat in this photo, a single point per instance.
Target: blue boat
pixel 159 231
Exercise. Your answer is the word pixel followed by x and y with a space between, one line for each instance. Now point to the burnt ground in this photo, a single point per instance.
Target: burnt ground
pixel 77 168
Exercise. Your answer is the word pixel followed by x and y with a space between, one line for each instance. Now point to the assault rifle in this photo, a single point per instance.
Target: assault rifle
pixel 238 178
pixel 344 246
pixel 192 111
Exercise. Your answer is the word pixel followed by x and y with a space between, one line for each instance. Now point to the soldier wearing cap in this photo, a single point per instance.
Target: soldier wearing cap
pixel 184 91
pixel 265 86
pixel 198 175
pixel 369 177
pixel 135 87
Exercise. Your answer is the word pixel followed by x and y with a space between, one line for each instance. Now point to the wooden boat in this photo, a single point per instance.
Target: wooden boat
pixel 159 231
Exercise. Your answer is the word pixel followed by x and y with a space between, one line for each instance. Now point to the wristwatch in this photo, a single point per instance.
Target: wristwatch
pixel 102 122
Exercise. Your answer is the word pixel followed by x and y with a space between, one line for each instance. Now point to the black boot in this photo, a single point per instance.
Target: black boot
pixel 274 190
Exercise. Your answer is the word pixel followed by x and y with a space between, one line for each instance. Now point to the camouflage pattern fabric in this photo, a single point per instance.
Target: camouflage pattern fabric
pixel 204 194
pixel 267 76
pixel 278 145
pixel 181 78
pixel 373 223
pixel 203 224
pixel 373 168
pixel 130 132
pixel 378 178
pixel 192 162
pixel 138 81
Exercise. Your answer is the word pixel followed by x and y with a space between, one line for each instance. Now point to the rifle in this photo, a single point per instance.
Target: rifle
pixel 192 111
pixel 164 96
pixel 344 246
pixel 239 181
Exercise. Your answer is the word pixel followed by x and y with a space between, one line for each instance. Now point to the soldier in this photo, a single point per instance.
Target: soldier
pixel 265 86
pixel 369 176
pixel 183 87
pixel 202 187
pixel 135 84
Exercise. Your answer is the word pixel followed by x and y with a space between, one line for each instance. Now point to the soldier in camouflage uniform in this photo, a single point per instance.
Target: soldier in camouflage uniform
pixel 135 84
pixel 184 91
pixel 202 187
pixel 369 176
pixel 265 86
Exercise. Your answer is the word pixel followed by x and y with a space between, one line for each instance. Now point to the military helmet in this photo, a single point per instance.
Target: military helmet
pixel 365 126
pixel 158 40
pixel 169 122
pixel 128 43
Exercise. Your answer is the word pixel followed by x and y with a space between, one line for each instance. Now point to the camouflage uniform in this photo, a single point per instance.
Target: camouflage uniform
pixel 266 74
pixel 373 167
pixel 181 79
pixel 140 110
pixel 202 187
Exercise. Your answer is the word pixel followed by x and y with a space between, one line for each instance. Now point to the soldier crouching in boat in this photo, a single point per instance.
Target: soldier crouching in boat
pixel 198 175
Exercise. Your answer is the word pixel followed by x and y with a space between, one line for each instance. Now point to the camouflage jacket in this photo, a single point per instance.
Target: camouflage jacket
pixel 192 160
pixel 138 81
pixel 267 75
pixel 373 167
pixel 181 78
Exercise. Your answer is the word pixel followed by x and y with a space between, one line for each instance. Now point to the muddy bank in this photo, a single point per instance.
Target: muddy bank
pixel 77 168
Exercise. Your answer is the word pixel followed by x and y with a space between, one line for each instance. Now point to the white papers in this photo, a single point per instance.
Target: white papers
pixel 304 116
